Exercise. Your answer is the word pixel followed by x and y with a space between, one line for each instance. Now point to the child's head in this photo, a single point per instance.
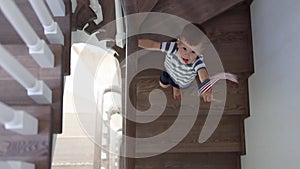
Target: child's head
pixel 190 43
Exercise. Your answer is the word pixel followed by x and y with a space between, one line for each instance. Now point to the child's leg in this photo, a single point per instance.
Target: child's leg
pixel 163 85
pixel 164 80
pixel 176 93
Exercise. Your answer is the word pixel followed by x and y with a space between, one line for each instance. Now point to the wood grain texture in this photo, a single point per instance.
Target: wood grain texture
pixel 226 137
pixel 147 81
pixel 189 161
pixel 196 11
pixel 13 93
pixel 230 33
pixel 32 148
pixel 228 27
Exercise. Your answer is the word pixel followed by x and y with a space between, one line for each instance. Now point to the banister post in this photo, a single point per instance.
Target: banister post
pixel 57 7
pixel 36 89
pixel 51 28
pixel 120 34
pixel 18 121
pixel 38 49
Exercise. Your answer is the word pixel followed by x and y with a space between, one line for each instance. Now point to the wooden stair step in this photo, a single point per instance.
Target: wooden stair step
pixel 189 161
pixel 226 138
pixel 36 149
pixel 230 33
pixel 13 93
pixel 146 81
pixel 196 11
pixel 133 6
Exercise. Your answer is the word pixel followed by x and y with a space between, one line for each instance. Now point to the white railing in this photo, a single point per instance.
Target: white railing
pixel 57 7
pixel 18 121
pixel 120 34
pixel 74 5
pixel 107 153
pixel 51 29
pixel 16 165
pixel 96 7
pixel 36 89
pixel 38 49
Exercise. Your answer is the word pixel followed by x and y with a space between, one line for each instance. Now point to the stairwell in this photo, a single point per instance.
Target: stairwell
pixel 228 27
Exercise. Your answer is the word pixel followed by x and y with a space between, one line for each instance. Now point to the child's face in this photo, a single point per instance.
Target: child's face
pixel 187 53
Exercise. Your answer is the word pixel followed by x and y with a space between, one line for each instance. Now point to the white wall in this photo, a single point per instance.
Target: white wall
pixel 273 129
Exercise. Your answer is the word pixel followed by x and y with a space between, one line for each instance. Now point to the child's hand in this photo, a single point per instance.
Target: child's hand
pixel 207 96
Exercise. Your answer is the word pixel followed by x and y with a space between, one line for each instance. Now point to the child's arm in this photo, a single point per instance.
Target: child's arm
pixel 203 75
pixel 149 44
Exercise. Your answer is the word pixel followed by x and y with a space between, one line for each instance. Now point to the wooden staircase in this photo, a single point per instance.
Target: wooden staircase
pixel 34 149
pixel 228 26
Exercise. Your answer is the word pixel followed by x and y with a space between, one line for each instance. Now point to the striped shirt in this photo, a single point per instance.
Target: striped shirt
pixel 182 74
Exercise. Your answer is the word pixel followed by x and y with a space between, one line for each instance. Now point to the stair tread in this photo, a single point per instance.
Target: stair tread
pixel 230 33
pixel 196 11
pixel 226 138
pixel 29 148
pixel 189 160
pixel 236 102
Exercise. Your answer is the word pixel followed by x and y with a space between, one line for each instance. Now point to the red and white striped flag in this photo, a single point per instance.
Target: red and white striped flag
pixel 207 84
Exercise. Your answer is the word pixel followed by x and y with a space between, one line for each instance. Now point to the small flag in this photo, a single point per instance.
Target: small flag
pixel 208 83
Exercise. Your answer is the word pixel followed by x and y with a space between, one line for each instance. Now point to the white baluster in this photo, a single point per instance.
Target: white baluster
pixel 74 5
pixel 18 121
pixel 36 89
pixel 51 28
pixel 16 165
pixel 120 35
pixel 57 7
pixel 96 7
pixel 37 47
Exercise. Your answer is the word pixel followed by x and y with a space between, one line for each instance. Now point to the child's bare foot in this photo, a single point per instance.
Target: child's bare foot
pixel 176 93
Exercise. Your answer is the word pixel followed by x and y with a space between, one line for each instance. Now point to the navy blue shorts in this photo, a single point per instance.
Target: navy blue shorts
pixel 166 79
